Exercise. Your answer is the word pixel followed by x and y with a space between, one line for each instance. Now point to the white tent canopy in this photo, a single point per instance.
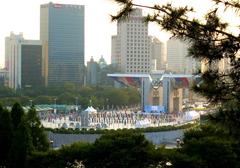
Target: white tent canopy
pixel 142 123
pixel 90 110
pixel 191 115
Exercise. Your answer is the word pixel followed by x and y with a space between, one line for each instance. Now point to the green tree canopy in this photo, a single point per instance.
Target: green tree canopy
pixel 21 144
pixel 39 138
pixel 207 147
pixel 5 135
pixel 120 149
pixel 17 114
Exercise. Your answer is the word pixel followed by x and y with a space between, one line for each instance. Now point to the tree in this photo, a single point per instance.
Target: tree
pixel 120 149
pixel 62 158
pixel 17 113
pixel 134 96
pixel 5 91
pixel 69 87
pixel 21 145
pixel 5 136
pixel 117 97
pixel 206 147
pixel 39 138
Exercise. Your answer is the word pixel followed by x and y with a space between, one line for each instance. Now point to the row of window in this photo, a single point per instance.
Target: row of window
pixel 136 48
pixel 134 65
pixel 146 52
pixel 136 40
pixel 137 32
pixel 137 44
pixel 134 59
pixel 137 71
pixel 146 67
pixel 136 25
pixel 137 62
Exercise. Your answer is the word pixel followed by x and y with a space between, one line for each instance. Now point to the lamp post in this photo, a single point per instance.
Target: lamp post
pixel 76 101
pixel 30 102
pixel 51 143
pixel 90 102
pixel 55 105
pixel 107 104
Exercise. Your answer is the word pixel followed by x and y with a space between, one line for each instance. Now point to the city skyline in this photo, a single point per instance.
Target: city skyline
pixel 24 16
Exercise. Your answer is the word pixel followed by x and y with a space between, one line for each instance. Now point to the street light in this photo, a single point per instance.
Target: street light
pixel 51 143
pixel 107 104
pixel 30 102
pixel 90 102
pixel 55 105
pixel 76 98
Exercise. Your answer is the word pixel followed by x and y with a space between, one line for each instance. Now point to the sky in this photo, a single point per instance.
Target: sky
pixel 24 16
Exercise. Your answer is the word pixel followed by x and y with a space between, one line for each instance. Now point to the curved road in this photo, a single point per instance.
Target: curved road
pixel 167 138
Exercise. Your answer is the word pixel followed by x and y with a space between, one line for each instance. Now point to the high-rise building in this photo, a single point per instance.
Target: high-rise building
pixel 62 30
pixel 92 72
pixel 157 52
pixel 3 77
pixel 131 45
pixel 24 62
pixel 177 60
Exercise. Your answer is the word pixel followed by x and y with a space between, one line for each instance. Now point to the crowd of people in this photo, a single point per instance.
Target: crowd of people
pixel 110 119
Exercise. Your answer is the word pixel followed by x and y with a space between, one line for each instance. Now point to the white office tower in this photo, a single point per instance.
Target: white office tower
pixel 158 54
pixel 177 57
pixel 23 61
pixel 131 45
pixel 13 59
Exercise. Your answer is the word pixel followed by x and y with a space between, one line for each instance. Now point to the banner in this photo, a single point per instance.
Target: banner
pixel 180 82
pixel 128 81
pixel 154 109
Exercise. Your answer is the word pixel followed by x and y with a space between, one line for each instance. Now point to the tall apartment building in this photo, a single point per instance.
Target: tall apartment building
pixel 3 77
pixel 157 53
pixel 62 29
pixel 177 60
pixel 131 45
pixel 24 62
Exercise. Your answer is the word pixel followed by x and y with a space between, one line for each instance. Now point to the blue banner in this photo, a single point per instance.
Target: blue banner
pixel 154 109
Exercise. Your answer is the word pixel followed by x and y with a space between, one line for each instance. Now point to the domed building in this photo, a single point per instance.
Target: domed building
pixel 102 62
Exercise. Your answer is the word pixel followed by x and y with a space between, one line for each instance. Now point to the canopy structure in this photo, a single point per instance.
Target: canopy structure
pixel 142 123
pixel 90 110
pixel 191 115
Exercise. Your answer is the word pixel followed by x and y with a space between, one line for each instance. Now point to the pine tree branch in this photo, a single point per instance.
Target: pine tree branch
pixel 228 3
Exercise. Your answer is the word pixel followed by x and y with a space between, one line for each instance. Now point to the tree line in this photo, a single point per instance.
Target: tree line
pixel 202 147
pixel 70 94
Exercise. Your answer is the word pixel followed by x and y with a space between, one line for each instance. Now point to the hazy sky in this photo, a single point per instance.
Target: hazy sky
pixel 23 16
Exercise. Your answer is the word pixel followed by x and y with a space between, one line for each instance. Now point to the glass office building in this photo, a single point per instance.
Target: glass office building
pixel 62 32
pixel 31 65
